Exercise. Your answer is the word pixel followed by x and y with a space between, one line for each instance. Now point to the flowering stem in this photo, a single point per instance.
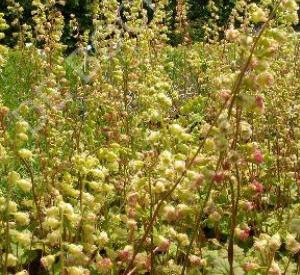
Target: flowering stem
pixel 35 198
pixel 198 224
pixel 235 203
pixel 287 265
pixel 7 238
pixel 272 254
pixel 152 271
pixel 199 219
pixel 62 260
pixel 238 83
pixel 170 192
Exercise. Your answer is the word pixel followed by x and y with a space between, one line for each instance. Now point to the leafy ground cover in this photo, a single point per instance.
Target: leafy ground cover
pixel 131 156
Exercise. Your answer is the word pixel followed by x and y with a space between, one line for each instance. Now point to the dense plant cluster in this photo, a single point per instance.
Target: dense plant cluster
pixel 198 12
pixel 142 158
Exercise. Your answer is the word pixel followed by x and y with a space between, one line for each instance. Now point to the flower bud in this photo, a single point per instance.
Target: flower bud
pixel 232 34
pixel 11 260
pixel 22 137
pixel 12 207
pixel 21 127
pixel 25 153
pixel 275 242
pixel 215 216
pixel 258 156
pixel 24 109
pixel 142 261
pixel 198 181
pixel 291 244
pixel 25 185
pixel 54 237
pixel 103 239
pixel 48 261
pixel 183 239
pixel 22 218
pixel 132 199
pixel 247 205
pixel 13 178
pixel 241 234
pixel 209 145
pixel 260 244
pixel 257 186
pixel 74 249
pixel 245 130
pixel 218 177
pixel 259 102
pixel 165 157
pixel 4 111
pixel 265 79
pixel 51 223
pixel 125 254
pixel 23 272
pixel 197 261
pixel 22 238
pixel 104 265
pixel 77 270
pixel 249 266
pixel 163 244
pixel 179 165
pixel 88 229
pixel 159 187
pixel 224 95
pixel 66 208
pixel 290 5
pixel 274 269
pixel 182 209
pixel 258 15
pixel 178 131
pixel 169 213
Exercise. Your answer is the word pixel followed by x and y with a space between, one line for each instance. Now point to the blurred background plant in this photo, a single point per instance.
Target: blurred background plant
pixel 198 13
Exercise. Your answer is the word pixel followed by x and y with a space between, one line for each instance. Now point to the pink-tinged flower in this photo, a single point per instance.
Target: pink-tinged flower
pixel 131 213
pixel 163 246
pixel 265 79
pixel 198 181
pixel 249 266
pixel 258 156
pixel 231 34
pixel 257 186
pixel 147 241
pixel 224 95
pixel 197 261
pixel 132 199
pixel 142 261
pixel 253 63
pixel 242 234
pixel 3 112
pixel 218 177
pixel 259 102
pixel 250 206
pixel 104 264
pixel 125 254
pixel 169 213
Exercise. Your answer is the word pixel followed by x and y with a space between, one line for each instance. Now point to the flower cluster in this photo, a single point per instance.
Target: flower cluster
pixel 147 158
